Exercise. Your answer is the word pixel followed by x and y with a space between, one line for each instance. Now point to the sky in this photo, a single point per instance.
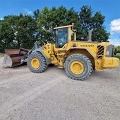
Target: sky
pixel 109 8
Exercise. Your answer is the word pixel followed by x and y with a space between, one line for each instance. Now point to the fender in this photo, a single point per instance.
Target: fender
pixel 73 48
pixel 45 53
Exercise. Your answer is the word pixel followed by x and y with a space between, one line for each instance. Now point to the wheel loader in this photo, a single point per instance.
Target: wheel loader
pixel 78 58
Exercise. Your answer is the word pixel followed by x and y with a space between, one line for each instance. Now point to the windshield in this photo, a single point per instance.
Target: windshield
pixel 61 37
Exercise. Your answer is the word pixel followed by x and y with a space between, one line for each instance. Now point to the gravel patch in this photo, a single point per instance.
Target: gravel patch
pixel 53 96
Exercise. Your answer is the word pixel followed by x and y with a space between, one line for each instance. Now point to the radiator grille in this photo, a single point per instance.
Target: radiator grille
pixel 100 52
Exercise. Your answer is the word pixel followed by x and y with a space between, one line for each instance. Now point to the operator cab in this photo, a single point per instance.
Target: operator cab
pixel 61 37
pixel 63 34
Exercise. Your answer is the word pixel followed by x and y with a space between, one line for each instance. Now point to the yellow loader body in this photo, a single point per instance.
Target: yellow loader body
pixel 98 58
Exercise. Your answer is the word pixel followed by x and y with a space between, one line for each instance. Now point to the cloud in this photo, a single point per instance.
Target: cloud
pixel 28 11
pixel 115 42
pixel 115 26
pixel 1 18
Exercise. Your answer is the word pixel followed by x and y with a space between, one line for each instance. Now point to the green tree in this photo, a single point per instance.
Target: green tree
pixel 50 18
pixel 84 21
pixel 22 30
pixel 35 14
pixel 6 35
pixel 89 21
pixel 17 31
pixel 117 49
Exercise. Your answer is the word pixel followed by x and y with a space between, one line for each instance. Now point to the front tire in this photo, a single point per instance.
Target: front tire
pixel 36 63
pixel 78 67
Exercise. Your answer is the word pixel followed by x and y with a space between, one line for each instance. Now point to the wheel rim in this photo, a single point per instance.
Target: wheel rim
pixel 35 63
pixel 77 67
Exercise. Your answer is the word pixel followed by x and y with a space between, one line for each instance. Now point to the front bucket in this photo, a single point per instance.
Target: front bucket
pixel 14 57
pixel 7 61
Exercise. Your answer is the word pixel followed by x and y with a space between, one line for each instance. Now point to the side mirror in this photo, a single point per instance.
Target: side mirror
pixel 56 32
pixel 72 33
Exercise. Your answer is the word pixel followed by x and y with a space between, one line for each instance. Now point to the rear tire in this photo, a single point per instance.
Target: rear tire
pixel 36 63
pixel 78 67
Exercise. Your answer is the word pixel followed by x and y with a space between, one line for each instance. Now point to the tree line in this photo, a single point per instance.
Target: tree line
pixel 21 31
pixel 117 49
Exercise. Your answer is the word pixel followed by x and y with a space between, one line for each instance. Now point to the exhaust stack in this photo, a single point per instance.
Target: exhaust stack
pixel 90 35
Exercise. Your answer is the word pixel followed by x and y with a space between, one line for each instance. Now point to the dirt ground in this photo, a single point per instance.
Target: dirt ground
pixel 53 96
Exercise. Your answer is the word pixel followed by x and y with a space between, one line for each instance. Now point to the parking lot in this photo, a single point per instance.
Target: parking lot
pixel 53 96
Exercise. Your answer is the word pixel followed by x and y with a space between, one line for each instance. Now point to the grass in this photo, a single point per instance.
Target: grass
pixel 1 54
pixel 117 55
